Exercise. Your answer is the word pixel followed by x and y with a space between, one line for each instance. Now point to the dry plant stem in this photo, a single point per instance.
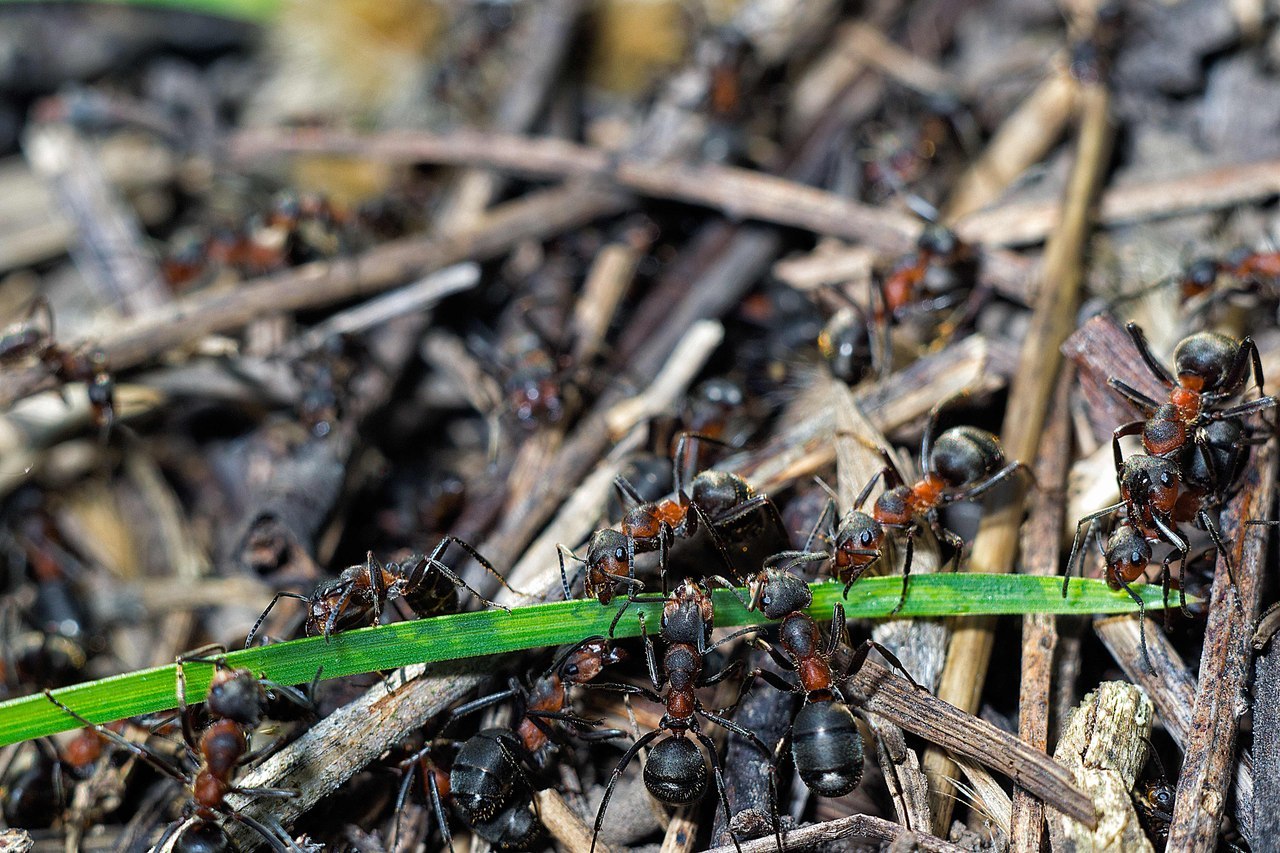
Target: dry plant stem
pixel 854 826
pixel 565 826
pixel 906 67
pixel 1039 631
pixel 1025 223
pixel 611 274
pixel 1105 747
pixel 1224 664
pixel 1024 138
pixel 1172 688
pixel 182 322
pixel 109 248
pixel 996 545
pixel 994 804
pixel 879 690
pixel 1266 745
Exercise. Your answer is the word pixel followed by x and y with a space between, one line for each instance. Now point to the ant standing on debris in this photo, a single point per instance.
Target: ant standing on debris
pixel 236 703
pixel 487 781
pixel 357 596
pixel 826 745
pixel 962 464
pixel 676 771
pixel 31 339
pixel 718 501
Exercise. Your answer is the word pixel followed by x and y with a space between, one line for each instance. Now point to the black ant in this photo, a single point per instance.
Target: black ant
pixel 1210 368
pixel 487 781
pixel 825 742
pixel 721 502
pixel 962 464
pixel 31 339
pixel 676 770
pixel 237 703
pixel 356 597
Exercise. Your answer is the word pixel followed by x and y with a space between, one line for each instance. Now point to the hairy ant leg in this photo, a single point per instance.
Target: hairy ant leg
pixel 1086 524
pixel 1158 370
pixel 437 556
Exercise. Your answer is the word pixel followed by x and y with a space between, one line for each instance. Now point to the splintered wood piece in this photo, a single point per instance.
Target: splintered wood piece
pixel 1102 348
pixel 1104 747
pixel 1224 663
pixel 854 826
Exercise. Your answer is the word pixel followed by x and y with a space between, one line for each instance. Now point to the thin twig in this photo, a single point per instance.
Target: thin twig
pixel 1224 664
pixel 996 545
pixel 858 825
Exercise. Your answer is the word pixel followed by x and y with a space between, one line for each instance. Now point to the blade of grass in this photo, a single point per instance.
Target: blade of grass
pixel 489 632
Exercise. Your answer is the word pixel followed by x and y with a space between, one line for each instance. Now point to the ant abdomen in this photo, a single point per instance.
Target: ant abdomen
pixel 432 595
pixel 827 748
pixel 512 828
pixel 966 454
pixel 676 772
pixel 1207 356
pixel 718 492
pixel 203 837
pixel 482 777
pixel 1216 459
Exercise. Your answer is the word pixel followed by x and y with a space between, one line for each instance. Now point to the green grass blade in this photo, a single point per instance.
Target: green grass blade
pixel 490 632
pixel 251 11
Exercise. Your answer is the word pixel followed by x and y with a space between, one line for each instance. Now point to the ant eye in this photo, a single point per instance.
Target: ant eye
pixel 1136 558
pixel 867 538
pixel 1166 479
pixel 619 554
pixel 571 670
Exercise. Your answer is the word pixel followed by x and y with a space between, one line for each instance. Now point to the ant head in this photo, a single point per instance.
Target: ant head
pixel 858 531
pixel 1128 553
pixel 1203 360
pixel 534 397
pixel 203 836
pixel 585 660
pixel 1160 797
pixel 938 240
pixel 716 492
pixel 964 455
pixel 687 616
pixel 1150 481
pixel 607 552
pixel 710 405
pixel 676 772
pixel 236 694
pixel 827 748
pixel 777 592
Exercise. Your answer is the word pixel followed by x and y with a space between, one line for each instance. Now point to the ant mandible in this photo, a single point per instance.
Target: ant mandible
pixel 357 596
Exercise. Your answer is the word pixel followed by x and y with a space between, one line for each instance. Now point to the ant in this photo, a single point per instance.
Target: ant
pixel 826 745
pixel 236 703
pixel 676 771
pixel 1210 368
pixel 1154 800
pixel 357 596
pixel 1255 273
pixel 962 464
pixel 33 339
pixel 847 345
pixel 486 781
pixel 718 501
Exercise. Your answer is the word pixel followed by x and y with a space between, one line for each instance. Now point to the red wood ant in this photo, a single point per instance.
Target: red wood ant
pixel 962 464
pixel 1210 369
pixel 31 339
pixel 486 780
pixel 826 746
pixel 676 771
pixel 717 501
pixel 357 597
pixel 1254 273
pixel 237 702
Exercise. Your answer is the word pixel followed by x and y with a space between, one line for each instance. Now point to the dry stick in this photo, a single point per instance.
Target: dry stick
pixel 996 805
pixel 564 824
pixel 1040 555
pixel 610 275
pixel 1172 687
pixel 880 690
pixel 854 826
pixel 1266 746
pixel 1026 223
pixel 1224 664
pixel 1052 320
pixel 535 216
pixel 1024 138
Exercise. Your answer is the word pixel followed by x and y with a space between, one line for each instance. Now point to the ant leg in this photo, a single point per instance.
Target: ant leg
pixel 631 753
pixel 886 472
pixel 829 516
pixel 1158 370
pixel 769 677
pixel 906 567
pixel 839 629
pixel 478 705
pixel 627 494
pixel 656 677
pixel 331 624
pixel 710 747
pixel 1183 549
pixel 1086 524
pixel 188 733
pixel 458 582
pixel 1242 410
pixel 1003 474
pixel 1142 623
pixel 728 637
pixel 438 554
pixel 1247 360
pixel 728 672
pixel 123 742
pixel 273 841
pixel 253 632
pixel 781 658
pixel 561 551
pixel 378 579
pixel 859 657
pixel 437 808
pixel 1131 428
pixel 1133 395
pixel 1215 534
pixel 738 511
pixel 737 729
